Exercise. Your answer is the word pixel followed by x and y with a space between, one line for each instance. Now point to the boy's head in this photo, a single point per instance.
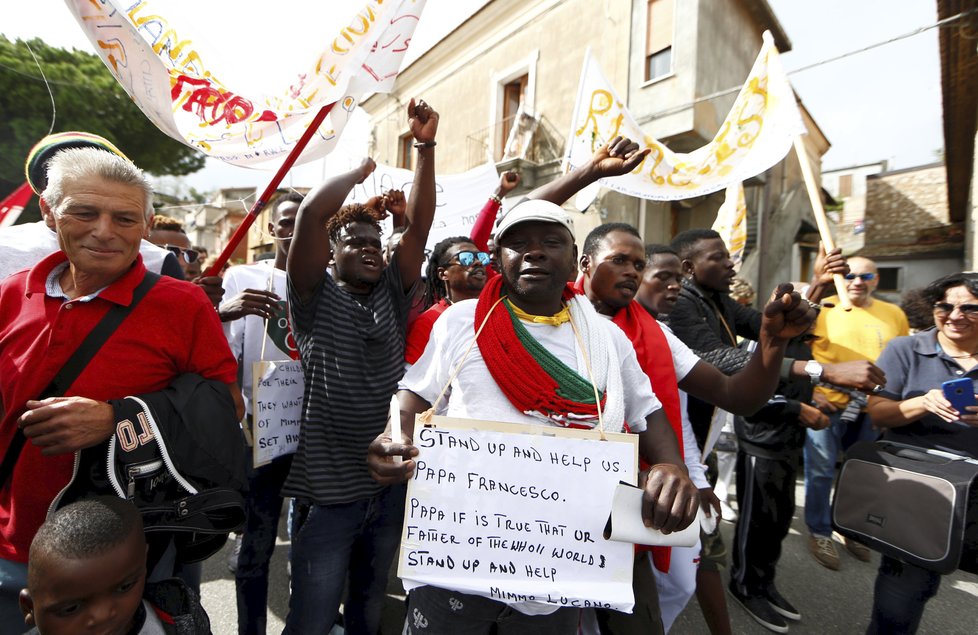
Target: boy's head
pixel 87 569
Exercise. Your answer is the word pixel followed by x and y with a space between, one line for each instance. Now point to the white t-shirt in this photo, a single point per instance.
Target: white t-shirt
pixel 23 246
pixel 475 395
pixel 683 359
pixel 245 335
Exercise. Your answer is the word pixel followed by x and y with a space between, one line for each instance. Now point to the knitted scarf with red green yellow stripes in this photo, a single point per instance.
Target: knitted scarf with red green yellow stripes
pixel 531 377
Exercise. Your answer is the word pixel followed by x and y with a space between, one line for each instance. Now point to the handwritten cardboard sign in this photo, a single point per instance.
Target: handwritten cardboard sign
pixel 516 513
pixel 277 409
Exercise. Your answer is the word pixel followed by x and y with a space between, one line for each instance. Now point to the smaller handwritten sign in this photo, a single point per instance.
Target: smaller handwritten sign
pixel 277 409
pixel 516 513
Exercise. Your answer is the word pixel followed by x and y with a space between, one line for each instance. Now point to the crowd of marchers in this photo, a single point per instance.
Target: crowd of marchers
pixel 122 369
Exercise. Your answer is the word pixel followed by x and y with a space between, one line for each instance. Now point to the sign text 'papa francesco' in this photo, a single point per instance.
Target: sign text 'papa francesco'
pixel 517 517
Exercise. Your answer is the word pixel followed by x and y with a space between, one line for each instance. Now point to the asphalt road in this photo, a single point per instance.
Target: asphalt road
pixel 831 602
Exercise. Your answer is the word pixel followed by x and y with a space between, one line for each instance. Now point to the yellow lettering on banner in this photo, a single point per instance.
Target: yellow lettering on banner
pixel 755 88
pixel 166 41
pixel 720 150
pixel 601 101
pixel 365 20
pixel 114 46
pixel 253 134
pixel 329 74
pixel 193 60
pixel 658 154
pixel 167 35
pixel 680 169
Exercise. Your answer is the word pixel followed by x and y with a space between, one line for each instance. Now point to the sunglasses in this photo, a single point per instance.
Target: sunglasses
pixel 944 309
pixel 468 258
pixel 862 276
pixel 189 255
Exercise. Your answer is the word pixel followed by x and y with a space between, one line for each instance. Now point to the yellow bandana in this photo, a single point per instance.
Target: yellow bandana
pixel 556 319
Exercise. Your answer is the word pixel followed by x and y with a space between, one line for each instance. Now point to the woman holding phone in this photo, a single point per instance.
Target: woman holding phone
pixel 913 409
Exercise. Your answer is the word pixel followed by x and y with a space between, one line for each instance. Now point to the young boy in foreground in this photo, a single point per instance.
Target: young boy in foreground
pixel 87 573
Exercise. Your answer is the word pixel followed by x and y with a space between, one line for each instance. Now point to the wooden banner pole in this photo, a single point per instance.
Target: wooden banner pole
pixel 820 219
pixel 249 220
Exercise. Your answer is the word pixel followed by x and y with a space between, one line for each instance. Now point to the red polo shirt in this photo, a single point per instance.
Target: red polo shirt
pixel 420 331
pixel 173 330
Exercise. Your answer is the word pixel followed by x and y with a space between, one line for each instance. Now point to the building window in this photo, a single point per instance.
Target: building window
pixel 889 279
pixel 514 93
pixel 845 185
pixel 405 151
pixel 658 40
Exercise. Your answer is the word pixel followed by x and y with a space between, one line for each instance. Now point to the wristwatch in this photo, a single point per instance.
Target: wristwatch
pixel 814 370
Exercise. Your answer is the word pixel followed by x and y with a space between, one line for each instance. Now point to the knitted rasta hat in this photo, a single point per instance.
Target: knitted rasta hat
pixel 46 148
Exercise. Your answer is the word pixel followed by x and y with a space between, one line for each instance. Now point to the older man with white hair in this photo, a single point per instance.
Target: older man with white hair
pixel 23 246
pixel 100 204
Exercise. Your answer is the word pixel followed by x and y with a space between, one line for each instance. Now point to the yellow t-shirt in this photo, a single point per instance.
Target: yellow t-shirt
pixel 860 334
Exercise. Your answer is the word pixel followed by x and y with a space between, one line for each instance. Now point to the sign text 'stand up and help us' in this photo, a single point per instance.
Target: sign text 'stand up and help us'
pixel 516 513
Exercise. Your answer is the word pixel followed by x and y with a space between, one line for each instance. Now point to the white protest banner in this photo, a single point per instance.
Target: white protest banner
pixel 757 133
pixel 731 223
pixel 459 197
pixel 176 81
pixel 516 513
pixel 277 408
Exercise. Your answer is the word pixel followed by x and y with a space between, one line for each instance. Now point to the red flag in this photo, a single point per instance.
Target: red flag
pixel 13 205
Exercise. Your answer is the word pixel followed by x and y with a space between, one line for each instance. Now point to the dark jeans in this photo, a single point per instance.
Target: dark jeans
pixel 335 544
pixel 263 505
pixel 766 500
pixel 435 611
pixel 902 592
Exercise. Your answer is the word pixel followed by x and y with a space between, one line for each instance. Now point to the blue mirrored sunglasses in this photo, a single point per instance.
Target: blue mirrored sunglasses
pixel 467 258
pixel 189 255
pixel 864 276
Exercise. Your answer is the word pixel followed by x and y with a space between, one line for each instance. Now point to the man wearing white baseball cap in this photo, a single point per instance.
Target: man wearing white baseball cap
pixel 505 379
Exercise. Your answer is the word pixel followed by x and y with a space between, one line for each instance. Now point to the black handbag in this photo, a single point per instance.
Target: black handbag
pixel 914 504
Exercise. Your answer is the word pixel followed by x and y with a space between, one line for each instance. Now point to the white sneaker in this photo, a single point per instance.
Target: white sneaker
pixel 233 556
pixel 727 512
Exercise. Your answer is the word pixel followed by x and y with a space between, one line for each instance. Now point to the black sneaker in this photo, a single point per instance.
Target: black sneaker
pixel 761 610
pixel 781 605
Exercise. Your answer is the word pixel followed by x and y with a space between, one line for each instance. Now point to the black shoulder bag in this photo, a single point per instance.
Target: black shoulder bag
pixel 77 363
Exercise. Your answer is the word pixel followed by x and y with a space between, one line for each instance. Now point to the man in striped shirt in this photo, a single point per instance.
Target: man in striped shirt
pixel 350 329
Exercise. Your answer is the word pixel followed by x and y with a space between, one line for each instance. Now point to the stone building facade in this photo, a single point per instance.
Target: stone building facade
pixel 665 58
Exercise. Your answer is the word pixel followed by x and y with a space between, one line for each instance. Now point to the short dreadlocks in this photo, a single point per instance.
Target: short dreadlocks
pixel 349 214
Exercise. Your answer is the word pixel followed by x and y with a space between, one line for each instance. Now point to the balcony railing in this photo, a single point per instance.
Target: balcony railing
pixel 534 139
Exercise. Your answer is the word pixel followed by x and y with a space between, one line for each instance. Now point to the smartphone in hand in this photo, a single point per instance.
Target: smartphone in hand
pixel 961 393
